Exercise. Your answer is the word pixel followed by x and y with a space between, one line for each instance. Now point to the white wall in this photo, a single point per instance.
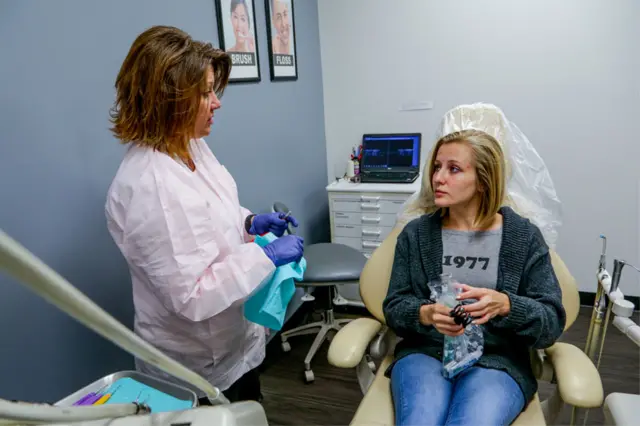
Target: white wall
pixel 566 72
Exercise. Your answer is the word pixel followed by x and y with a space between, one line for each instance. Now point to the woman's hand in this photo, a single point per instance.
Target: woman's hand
pixel 271 222
pixel 287 249
pixel 438 316
pixel 490 303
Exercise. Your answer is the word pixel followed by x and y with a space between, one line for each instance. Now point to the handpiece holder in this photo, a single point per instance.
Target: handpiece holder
pixel 603 255
pixel 617 274
pixel 609 299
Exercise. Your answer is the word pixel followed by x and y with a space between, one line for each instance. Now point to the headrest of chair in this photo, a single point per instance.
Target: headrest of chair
pixel 530 189
pixel 480 116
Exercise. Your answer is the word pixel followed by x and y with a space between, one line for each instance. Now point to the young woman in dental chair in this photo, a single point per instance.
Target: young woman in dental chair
pixel 513 293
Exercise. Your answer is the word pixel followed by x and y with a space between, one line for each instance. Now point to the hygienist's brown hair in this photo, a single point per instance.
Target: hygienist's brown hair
pixel 159 88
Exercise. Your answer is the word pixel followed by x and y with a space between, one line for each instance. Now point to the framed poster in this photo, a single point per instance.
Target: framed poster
pixel 237 35
pixel 281 38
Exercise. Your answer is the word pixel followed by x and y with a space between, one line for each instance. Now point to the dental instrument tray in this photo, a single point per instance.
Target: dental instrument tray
pixel 132 386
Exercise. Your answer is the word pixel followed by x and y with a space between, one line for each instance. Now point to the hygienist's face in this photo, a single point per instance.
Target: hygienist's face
pixel 454 179
pixel 240 22
pixel 209 102
pixel 281 20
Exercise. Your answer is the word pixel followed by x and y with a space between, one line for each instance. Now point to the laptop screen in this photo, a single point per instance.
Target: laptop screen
pixel 397 151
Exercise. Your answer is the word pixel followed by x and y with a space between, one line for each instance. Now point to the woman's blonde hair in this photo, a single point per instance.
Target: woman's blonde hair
pixel 159 88
pixel 489 163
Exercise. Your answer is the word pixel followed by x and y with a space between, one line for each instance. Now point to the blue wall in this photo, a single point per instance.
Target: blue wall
pixel 58 63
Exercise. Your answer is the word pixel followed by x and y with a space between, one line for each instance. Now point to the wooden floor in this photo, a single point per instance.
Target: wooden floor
pixel 334 396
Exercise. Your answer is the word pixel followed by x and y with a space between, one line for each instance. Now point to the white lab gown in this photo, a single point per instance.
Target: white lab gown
pixel 192 263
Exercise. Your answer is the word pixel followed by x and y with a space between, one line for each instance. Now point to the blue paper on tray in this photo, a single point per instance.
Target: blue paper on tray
pixel 128 390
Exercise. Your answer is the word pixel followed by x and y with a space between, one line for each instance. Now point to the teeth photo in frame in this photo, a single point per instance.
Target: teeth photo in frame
pixel 281 38
pixel 237 36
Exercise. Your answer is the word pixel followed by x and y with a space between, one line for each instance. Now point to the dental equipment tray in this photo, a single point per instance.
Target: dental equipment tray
pixel 168 396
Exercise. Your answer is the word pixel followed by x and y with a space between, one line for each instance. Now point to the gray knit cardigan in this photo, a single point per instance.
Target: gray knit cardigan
pixel 525 274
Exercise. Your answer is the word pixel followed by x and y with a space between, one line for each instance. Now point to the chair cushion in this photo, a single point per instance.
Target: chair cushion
pixel 329 262
pixel 533 415
pixel 376 407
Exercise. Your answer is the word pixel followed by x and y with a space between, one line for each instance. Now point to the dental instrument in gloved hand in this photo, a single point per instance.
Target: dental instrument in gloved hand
pixel 287 249
pixel 275 223
pixel 290 223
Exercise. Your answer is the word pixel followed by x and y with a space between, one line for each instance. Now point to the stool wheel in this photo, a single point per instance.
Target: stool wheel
pixel 286 347
pixel 308 376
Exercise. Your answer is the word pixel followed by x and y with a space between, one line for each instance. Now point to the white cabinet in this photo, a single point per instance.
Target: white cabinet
pixel 363 214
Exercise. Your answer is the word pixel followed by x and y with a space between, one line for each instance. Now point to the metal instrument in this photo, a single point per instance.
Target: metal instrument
pixel 608 299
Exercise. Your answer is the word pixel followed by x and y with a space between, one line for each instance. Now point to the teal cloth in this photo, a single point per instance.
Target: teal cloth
pixel 267 305
pixel 127 390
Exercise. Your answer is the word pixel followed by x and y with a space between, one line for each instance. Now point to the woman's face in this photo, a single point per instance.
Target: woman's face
pixel 209 102
pixel 454 178
pixel 240 22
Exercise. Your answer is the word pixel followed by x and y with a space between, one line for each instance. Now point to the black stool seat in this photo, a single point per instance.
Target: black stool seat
pixel 330 263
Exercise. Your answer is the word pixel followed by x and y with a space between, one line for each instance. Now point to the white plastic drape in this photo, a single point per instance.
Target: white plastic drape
pixel 530 189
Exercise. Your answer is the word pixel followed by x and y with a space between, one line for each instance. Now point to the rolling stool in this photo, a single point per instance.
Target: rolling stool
pixel 328 265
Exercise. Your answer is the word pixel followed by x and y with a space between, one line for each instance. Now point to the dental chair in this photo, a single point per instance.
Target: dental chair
pixel 329 265
pixel 578 382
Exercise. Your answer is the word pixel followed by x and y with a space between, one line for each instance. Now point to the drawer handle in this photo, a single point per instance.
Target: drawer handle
pixel 371 219
pixel 367 206
pixel 367 255
pixel 369 232
pixel 366 198
pixel 370 244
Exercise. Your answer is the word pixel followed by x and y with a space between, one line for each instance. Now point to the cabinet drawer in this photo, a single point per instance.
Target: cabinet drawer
pixel 380 206
pixel 364 219
pixel 364 246
pixel 365 232
pixel 368 197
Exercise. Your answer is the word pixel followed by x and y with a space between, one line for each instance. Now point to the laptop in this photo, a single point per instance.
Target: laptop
pixel 390 158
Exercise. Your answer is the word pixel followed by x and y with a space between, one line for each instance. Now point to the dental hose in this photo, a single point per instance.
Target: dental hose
pixel 12 413
pixel 44 281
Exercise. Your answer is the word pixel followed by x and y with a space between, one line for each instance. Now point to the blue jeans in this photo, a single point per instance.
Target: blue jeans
pixel 477 396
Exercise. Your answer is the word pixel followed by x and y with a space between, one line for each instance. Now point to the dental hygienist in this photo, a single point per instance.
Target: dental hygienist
pixel 174 213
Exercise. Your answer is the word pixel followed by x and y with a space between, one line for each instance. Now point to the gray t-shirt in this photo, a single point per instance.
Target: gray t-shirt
pixel 471 257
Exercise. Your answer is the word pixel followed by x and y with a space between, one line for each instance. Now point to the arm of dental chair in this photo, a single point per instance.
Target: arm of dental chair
pixel 350 343
pixel 578 379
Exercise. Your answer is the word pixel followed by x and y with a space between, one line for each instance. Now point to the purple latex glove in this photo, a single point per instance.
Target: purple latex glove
pixel 285 250
pixel 271 222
